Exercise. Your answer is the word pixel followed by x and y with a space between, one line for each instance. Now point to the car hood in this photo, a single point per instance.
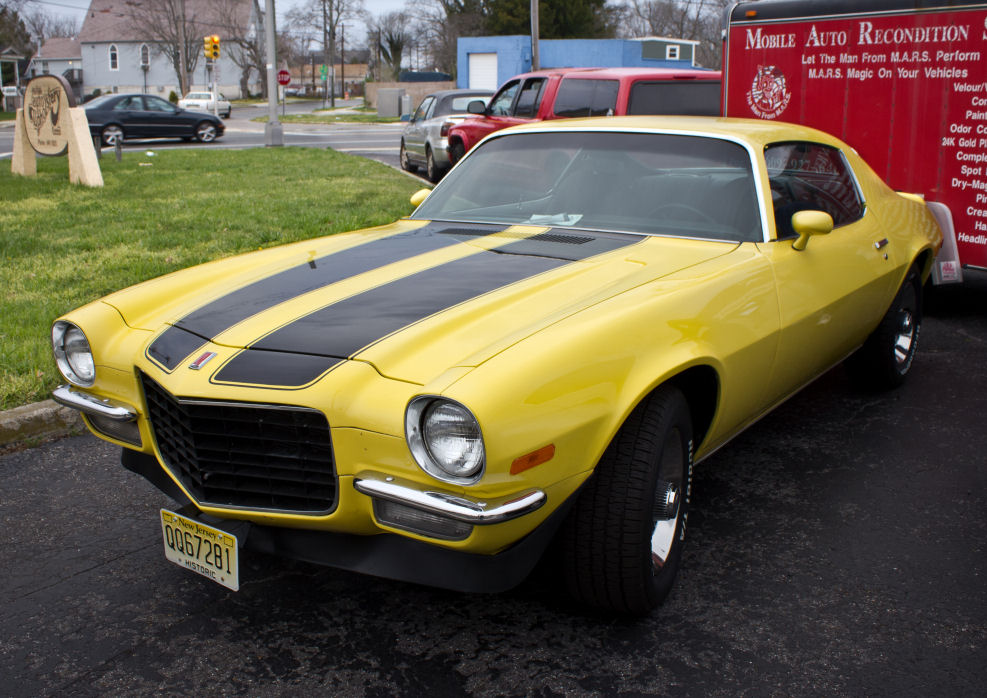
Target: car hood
pixel 413 299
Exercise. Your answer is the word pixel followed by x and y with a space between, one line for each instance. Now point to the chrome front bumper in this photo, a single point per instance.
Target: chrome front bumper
pixel 466 510
pixel 92 405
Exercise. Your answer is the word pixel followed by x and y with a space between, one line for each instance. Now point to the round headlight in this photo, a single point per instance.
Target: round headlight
pixel 72 354
pixel 445 439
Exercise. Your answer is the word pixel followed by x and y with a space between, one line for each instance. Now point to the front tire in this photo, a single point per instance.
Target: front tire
pixel 886 357
pixel 405 162
pixel 622 543
pixel 205 132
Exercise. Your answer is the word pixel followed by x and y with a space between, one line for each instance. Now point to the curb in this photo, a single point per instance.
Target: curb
pixel 40 420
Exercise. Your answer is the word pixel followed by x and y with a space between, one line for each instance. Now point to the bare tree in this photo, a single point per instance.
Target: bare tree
pixel 326 15
pixel 440 23
pixel 175 27
pixel 697 20
pixel 245 40
pixel 392 34
pixel 44 25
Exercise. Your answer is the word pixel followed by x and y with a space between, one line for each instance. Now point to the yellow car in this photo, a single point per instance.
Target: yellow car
pixel 574 316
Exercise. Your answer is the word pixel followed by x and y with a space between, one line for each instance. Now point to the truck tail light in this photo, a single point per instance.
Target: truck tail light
pixel 444 130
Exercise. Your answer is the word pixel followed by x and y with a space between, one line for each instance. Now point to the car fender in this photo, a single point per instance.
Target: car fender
pixel 604 360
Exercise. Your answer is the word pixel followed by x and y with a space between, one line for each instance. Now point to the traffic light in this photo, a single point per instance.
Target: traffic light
pixel 210 46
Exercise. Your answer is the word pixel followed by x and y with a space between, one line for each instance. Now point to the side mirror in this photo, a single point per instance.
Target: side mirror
pixel 419 196
pixel 476 107
pixel 809 223
pixel 406 117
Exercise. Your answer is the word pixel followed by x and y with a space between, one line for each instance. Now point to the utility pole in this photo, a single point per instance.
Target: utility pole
pixel 535 61
pixel 325 56
pixel 342 58
pixel 273 130
pixel 332 54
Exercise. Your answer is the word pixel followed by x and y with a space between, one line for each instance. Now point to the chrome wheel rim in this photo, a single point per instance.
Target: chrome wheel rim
pixel 206 134
pixel 904 338
pixel 667 500
pixel 112 134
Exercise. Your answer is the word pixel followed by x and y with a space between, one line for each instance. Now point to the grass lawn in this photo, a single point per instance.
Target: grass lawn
pixel 8 115
pixel 64 245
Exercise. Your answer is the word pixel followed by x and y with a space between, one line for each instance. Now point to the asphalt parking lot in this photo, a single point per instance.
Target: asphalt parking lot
pixel 837 548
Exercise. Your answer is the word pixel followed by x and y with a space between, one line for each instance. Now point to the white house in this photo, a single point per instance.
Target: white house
pixel 118 54
pixel 59 56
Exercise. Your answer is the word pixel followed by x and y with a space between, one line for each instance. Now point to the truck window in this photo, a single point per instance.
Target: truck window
pixel 530 98
pixel 690 98
pixel 811 176
pixel 586 98
pixel 501 104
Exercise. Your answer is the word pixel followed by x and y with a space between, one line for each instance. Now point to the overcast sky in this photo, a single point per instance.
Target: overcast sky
pixel 77 9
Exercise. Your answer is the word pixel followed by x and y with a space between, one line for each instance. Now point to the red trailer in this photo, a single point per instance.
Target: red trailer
pixel 902 81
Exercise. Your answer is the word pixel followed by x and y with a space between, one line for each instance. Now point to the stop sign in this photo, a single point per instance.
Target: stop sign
pixel 284 77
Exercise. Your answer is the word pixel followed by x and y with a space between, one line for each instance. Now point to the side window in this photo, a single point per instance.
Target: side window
pixel 811 176
pixel 501 104
pixel 581 97
pixel 129 104
pixel 686 97
pixel 422 108
pixel 158 104
pixel 530 98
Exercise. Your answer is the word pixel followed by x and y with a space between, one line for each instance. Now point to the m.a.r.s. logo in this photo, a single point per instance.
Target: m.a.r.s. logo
pixel 769 95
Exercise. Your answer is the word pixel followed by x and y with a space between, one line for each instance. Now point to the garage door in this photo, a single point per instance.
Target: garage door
pixel 483 71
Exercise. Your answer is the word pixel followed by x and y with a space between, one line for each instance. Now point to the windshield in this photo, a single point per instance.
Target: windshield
pixel 658 184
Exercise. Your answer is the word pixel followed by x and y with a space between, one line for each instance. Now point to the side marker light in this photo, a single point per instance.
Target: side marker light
pixel 526 462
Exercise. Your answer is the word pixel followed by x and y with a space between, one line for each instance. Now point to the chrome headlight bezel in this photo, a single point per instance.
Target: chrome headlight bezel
pixel 422 420
pixel 73 354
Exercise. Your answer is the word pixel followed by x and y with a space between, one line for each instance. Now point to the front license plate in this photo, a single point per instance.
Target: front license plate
pixel 201 548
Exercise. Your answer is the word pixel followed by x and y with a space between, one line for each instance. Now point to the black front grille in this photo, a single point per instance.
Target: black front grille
pixel 245 455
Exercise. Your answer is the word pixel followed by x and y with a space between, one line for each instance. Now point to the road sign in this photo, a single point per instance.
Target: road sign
pixel 324 71
pixel 284 77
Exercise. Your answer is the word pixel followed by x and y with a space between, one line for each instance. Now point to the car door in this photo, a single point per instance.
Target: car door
pixel 834 292
pixel 516 103
pixel 165 120
pixel 128 112
pixel 414 139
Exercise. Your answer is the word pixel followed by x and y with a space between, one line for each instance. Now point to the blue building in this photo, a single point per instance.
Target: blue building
pixel 486 62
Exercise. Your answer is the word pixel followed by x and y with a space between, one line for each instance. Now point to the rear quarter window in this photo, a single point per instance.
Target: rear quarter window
pixel 689 98
pixel 586 98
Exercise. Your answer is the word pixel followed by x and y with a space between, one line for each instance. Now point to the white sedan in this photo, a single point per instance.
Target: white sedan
pixel 206 101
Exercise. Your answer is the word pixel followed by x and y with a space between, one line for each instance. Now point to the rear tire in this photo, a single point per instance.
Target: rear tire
pixel 456 152
pixel 886 357
pixel 622 543
pixel 111 135
pixel 432 171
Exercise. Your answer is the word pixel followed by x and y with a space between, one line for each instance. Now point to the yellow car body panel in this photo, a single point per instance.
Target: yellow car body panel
pixel 549 360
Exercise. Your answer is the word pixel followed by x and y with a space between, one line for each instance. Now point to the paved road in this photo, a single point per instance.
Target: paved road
pixel 376 141
pixel 837 548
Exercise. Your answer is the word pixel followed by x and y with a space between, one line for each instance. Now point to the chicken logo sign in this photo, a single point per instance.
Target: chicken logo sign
pixel 769 95
pixel 47 101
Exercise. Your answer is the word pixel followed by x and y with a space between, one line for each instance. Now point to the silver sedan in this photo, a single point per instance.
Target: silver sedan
pixel 423 142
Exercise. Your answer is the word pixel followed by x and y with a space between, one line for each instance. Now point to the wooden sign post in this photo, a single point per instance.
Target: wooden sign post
pixel 51 124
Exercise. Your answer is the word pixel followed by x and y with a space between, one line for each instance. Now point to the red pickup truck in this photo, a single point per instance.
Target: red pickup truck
pixel 573 92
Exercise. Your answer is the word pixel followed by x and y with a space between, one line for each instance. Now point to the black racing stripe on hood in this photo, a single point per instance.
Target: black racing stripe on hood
pixel 192 331
pixel 343 329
